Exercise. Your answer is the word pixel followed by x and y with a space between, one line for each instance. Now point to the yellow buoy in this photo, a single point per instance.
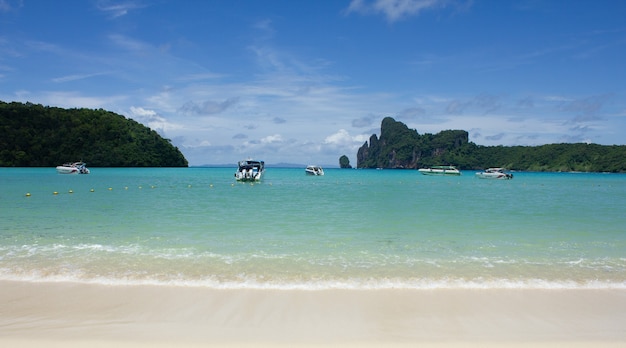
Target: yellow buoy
pixel 55 193
pixel 91 190
pixel 70 191
pixel 27 194
pixel 125 187
pixel 110 188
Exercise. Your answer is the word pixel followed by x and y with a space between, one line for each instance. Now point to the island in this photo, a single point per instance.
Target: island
pixel 399 147
pixel 34 135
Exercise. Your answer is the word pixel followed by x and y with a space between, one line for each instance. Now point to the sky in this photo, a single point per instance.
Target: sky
pixel 306 82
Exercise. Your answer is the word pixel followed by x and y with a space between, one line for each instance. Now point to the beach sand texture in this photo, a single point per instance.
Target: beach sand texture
pixel 83 315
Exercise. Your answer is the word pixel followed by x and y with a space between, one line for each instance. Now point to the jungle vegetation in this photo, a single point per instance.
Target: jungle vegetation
pixel 401 147
pixel 33 135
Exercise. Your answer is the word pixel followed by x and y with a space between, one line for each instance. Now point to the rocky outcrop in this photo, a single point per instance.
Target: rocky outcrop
pixel 401 147
pixel 344 162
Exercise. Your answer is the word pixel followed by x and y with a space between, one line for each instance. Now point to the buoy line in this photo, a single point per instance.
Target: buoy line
pixel 127 188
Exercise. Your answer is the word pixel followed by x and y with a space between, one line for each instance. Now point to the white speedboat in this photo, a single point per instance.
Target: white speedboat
pixel 73 168
pixel 249 170
pixel 494 173
pixel 440 170
pixel 314 170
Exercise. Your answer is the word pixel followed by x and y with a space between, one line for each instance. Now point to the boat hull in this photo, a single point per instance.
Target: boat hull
pixel 494 173
pixel 500 176
pixel 440 171
pixel 314 171
pixel 250 178
pixel 73 168
pixel 67 170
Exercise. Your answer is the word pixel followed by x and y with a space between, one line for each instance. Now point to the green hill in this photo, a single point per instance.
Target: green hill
pixel 41 136
pixel 401 147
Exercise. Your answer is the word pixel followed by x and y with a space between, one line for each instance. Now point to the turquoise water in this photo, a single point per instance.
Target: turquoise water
pixel 364 229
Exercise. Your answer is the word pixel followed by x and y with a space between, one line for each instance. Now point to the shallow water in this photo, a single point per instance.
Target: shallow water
pixel 365 229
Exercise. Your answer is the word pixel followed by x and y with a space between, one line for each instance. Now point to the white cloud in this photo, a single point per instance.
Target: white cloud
pixel 153 120
pixel 272 139
pixel 141 112
pixel 395 10
pixel 116 9
pixel 129 44
pixel 76 77
pixel 208 107
pixel 343 139
pixel 196 143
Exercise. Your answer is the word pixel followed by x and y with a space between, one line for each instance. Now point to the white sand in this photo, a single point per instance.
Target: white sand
pixel 79 315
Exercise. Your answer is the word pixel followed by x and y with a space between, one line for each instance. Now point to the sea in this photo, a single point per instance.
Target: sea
pixel 349 229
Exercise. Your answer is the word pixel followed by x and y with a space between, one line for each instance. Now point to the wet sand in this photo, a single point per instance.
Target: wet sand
pixel 82 315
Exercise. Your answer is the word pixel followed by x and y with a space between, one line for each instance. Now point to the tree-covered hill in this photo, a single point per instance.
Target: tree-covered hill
pixel 40 136
pixel 401 147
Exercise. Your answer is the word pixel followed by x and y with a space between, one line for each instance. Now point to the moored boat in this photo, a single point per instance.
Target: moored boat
pixel 314 170
pixel 249 170
pixel 494 173
pixel 73 168
pixel 440 170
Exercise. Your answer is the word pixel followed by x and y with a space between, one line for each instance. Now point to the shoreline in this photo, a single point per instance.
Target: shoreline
pixel 80 315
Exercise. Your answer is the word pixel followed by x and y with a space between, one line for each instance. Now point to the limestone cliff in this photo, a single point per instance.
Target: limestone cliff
pixel 401 147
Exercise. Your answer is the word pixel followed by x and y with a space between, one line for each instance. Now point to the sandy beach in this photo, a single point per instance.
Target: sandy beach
pixel 80 315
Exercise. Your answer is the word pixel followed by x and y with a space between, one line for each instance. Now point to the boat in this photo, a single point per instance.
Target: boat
pixel 73 168
pixel 440 170
pixel 494 173
pixel 314 170
pixel 249 170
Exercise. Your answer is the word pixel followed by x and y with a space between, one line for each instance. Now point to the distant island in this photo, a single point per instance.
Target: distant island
pixel 40 136
pixel 401 147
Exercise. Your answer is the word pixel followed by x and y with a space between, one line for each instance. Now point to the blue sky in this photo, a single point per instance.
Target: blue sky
pixel 308 81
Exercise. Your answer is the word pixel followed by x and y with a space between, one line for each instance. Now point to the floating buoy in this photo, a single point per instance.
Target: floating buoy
pixel 152 186
pixel 55 193
pixel 70 191
pixel 110 188
pixel 140 187
pixel 211 185
pixel 91 190
pixel 189 186
pixel 27 194
pixel 125 187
